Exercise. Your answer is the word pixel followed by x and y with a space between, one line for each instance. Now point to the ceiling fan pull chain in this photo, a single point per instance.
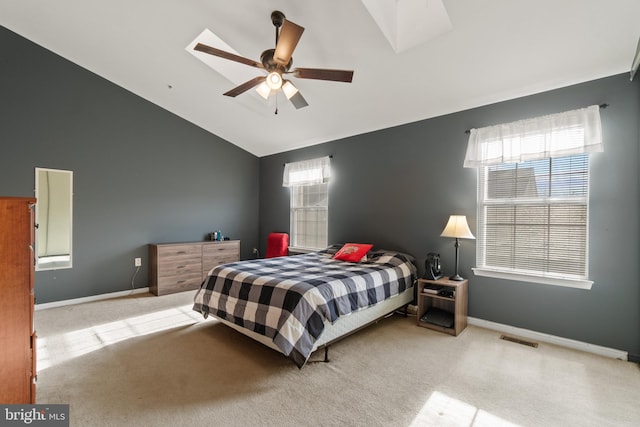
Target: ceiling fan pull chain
pixel 276 112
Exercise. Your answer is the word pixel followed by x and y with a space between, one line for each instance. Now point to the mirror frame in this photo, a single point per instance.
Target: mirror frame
pixel 65 262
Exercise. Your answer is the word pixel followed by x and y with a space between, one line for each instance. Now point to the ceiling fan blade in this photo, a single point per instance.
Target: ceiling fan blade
pixel 290 34
pixel 245 86
pixel 298 101
pixel 324 74
pixel 227 55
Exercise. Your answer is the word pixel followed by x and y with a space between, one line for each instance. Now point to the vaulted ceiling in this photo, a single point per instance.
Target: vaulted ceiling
pixel 488 51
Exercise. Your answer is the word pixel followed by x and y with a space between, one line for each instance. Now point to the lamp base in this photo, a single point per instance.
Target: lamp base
pixel 456 277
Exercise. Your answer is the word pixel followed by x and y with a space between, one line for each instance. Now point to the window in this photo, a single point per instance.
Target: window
pixel 309 208
pixel 308 183
pixel 533 198
pixel 532 217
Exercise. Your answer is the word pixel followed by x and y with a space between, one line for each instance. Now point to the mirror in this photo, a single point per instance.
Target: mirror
pixel 54 219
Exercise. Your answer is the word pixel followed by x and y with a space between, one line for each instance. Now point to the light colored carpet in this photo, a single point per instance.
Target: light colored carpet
pixel 151 361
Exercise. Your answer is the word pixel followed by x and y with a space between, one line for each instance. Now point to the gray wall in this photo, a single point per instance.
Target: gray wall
pixel 397 187
pixel 144 175
pixel 141 174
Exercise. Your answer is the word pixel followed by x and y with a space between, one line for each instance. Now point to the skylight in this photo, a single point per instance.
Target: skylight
pixel 409 23
pixel 235 72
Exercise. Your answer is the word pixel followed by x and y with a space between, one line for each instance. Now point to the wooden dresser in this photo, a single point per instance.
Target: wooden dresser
pixel 17 336
pixel 177 267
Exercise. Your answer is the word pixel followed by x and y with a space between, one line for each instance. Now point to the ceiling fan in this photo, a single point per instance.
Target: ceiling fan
pixel 277 62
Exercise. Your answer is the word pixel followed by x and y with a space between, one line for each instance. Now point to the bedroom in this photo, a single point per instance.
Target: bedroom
pixel 144 175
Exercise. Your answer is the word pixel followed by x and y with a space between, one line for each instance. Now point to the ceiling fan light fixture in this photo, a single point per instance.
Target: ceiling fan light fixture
pixel 274 62
pixel 274 80
pixel 264 90
pixel 289 89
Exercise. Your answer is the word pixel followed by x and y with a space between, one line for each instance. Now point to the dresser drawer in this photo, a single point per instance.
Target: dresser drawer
pixel 179 283
pixel 171 252
pixel 221 249
pixel 169 267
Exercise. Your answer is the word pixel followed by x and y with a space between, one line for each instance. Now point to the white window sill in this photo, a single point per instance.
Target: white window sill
pixel 299 250
pixel 554 281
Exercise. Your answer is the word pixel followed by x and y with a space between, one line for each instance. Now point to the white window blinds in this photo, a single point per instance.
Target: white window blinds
pixel 309 216
pixel 532 217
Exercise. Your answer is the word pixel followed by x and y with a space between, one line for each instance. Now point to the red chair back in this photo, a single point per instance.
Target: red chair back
pixel 277 245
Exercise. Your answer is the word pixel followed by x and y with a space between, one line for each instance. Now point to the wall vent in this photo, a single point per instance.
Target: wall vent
pixel 519 341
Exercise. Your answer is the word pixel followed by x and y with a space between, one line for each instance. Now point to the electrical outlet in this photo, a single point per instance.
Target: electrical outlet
pixel 255 251
pixel 138 262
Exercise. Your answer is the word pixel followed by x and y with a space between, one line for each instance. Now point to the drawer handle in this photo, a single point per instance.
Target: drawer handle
pixel 181 252
pixel 180 266
pixel 181 281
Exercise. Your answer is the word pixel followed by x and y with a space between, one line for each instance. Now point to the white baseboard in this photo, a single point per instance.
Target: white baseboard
pixel 91 298
pixel 550 339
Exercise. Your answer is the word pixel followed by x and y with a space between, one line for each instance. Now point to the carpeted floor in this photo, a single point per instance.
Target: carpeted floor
pixel 151 361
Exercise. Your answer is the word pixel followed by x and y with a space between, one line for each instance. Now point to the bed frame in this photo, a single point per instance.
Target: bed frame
pixel 344 326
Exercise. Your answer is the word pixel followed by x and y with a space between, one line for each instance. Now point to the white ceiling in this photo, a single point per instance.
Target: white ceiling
pixel 496 50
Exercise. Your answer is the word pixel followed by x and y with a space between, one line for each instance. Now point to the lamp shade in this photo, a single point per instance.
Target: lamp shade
pixel 457 227
pixel 289 89
pixel 264 90
pixel 274 80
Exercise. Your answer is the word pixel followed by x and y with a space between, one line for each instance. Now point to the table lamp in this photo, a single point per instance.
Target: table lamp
pixel 457 227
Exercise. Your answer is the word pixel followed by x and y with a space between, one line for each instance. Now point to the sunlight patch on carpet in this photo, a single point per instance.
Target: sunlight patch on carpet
pixel 63 347
pixel 442 410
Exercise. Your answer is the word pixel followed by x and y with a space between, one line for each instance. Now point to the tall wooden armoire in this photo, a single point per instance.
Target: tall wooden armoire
pixel 17 335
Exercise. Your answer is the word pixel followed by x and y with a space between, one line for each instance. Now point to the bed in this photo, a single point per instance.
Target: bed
pixel 298 304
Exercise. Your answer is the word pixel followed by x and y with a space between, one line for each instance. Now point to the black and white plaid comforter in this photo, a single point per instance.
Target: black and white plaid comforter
pixel 288 298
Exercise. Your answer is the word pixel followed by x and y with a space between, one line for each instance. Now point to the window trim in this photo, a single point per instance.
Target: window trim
pixel 292 210
pixel 539 278
pixel 545 280
pixel 301 174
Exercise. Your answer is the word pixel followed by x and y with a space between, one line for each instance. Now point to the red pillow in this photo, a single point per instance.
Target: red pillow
pixel 352 252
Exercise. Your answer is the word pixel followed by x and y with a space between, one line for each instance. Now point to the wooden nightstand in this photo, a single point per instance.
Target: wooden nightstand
pixel 455 304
